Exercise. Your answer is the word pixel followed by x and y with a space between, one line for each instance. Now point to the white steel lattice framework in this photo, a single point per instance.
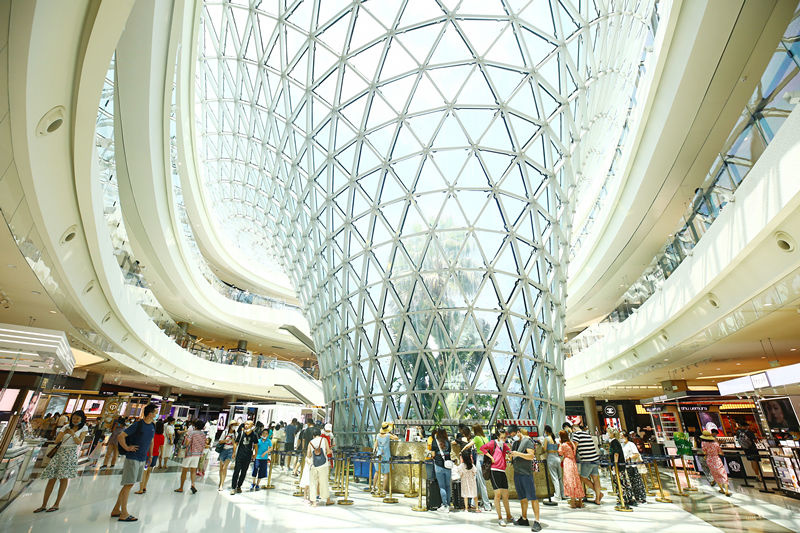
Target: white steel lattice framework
pixel 411 163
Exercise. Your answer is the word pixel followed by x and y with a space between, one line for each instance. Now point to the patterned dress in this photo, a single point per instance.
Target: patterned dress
pixel 712 450
pixel 64 465
pixel 573 488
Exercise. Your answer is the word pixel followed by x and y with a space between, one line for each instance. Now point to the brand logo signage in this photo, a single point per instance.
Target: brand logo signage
pixel 610 411
pixel 694 408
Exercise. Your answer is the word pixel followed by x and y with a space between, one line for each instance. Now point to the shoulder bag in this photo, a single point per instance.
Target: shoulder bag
pixel 486 465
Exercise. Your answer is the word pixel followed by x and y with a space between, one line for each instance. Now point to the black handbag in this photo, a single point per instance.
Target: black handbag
pixel 53 450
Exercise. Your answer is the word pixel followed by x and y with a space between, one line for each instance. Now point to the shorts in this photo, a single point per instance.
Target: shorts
pixel 526 489
pixel 131 471
pixel 190 462
pixel 260 468
pixel 590 469
pixel 225 455
pixel 498 479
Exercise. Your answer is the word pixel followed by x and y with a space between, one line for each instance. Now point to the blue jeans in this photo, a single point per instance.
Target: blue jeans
pixel 484 496
pixel 443 476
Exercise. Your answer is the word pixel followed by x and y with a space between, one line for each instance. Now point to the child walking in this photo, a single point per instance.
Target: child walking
pixel 262 460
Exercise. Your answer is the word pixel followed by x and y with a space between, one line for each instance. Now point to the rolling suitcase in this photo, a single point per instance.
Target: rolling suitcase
pixel 433 497
pixel 458 500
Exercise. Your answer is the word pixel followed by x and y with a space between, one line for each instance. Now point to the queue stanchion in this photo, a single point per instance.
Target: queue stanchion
pixel 649 484
pixel 379 492
pixel 338 468
pixel 549 501
pixel 269 484
pixel 622 506
pixel 662 498
pixel 346 500
pixel 675 473
pixel 299 492
pixel 420 507
pixel 389 498
pixel 370 476
pixel 689 487
pixel 411 492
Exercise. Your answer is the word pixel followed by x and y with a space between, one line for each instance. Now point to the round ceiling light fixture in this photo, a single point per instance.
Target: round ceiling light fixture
pixel 51 121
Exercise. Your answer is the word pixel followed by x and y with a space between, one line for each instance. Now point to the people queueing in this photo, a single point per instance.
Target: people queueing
pixel 589 460
pixel 479 439
pixel 573 487
pixel 497 449
pixel 553 462
pixel 383 451
pixel 523 453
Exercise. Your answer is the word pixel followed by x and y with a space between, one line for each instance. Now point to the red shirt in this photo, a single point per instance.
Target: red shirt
pixel 158 441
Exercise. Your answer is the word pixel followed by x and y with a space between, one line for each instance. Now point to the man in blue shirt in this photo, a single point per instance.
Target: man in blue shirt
pixel 137 443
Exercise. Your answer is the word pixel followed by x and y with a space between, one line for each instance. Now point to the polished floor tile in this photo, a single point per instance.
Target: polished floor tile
pixel 89 500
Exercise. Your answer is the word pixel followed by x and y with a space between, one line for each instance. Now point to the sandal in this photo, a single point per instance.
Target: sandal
pixel 194 490
pixel 141 491
pixel 178 490
pixel 52 510
pixel 129 518
pixel 40 509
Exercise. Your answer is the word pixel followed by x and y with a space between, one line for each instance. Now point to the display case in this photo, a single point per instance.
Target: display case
pixel 786 459
pixel 10 468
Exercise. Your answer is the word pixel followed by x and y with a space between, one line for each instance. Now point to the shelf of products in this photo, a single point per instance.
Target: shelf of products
pixel 787 466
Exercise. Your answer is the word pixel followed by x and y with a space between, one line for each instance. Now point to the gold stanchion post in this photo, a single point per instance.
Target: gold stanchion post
pixel 346 500
pixel 689 487
pixel 411 492
pixel 269 484
pixel 338 481
pixel 622 506
pixel 379 482
pixel 389 498
pixel 663 498
pixel 677 479
pixel 419 507
pixel 370 476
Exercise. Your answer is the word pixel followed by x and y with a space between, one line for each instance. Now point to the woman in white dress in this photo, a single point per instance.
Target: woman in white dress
pixel 64 464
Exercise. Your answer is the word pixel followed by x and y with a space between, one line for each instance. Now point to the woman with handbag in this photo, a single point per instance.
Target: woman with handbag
pixel 442 466
pixel 64 459
pixel 224 448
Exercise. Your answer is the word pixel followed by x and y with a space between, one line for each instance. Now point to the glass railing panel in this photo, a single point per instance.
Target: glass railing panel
pixel 776 95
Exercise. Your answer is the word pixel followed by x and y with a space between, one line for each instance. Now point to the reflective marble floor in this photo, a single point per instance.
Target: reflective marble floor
pixel 89 499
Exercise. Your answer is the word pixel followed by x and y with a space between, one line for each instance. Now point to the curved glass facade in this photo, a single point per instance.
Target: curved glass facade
pixel 412 164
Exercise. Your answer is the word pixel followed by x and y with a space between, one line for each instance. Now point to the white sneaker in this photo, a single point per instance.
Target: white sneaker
pixel 443 509
pixel 501 523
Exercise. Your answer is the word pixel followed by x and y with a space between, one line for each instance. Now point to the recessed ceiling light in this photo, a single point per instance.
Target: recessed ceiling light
pixel 12 266
pixel 666 359
pixel 37 293
pixel 767 304
pixel 699 373
pixel 738 364
pixel 792 349
pixel 763 357
pixel 719 368
pixel 53 312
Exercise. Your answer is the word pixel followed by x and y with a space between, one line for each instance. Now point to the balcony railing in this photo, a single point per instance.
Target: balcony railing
pixel 777 94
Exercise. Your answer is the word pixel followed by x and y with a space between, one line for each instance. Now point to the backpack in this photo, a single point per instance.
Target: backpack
pixel 317 456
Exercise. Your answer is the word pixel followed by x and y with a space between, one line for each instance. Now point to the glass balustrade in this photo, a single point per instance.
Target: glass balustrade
pixel 133 272
pixel 775 96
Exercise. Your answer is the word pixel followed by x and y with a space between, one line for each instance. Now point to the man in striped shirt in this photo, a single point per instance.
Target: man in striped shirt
pixel 588 459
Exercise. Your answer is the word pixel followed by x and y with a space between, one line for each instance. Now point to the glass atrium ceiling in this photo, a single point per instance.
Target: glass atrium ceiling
pixel 414 164
pixel 430 92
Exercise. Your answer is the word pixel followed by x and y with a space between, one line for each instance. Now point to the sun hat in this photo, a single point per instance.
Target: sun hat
pixel 707 435
pixel 328 427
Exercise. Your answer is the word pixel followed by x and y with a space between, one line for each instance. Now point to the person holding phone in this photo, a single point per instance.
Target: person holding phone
pixel 64 464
